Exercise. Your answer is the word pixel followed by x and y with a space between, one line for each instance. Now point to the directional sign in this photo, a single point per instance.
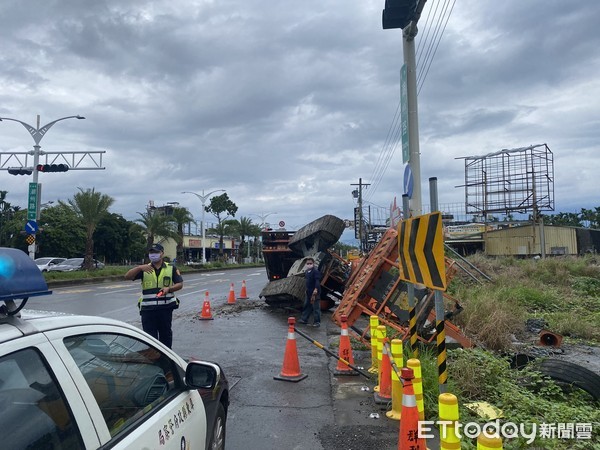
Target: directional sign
pixel 404 114
pixel 32 201
pixel 421 251
pixel 31 227
pixel 408 181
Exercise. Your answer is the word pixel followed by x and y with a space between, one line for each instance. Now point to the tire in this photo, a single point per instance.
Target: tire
pixel 572 374
pixel 217 438
pixel 285 292
pixel 317 236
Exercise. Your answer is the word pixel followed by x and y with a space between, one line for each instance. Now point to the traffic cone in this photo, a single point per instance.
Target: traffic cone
pixel 205 314
pixel 408 437
pixel 231 298
pixel 396 412
pixel 373 324
pixel 384 396
pixel 345 351
pixel 448 408
pixel 243 293
pixel 415 365
pixel 489 443
pixel 291 366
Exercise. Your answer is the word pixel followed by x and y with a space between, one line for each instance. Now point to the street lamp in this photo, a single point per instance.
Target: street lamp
pixel 203 199
pixel 37 134
pixel 262 217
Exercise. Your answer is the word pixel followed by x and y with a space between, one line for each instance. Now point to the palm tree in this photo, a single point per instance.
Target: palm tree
pixel 157 224
pixel 90 206
pixel 224 228
pixel 181 217
pixel 245 227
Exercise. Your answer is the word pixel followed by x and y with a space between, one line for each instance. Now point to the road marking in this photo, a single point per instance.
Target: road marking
pixel 72 291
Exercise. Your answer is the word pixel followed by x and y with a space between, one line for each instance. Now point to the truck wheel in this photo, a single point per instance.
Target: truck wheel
pixel 285 292
pixel 571 374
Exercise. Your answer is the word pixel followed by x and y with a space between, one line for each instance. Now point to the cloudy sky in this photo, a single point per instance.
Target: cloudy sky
pixel 287 104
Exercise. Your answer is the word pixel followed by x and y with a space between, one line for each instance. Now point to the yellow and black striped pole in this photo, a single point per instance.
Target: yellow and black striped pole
pixel 412 321
pixel 441 341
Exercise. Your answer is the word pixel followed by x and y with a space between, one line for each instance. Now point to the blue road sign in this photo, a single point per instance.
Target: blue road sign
pixel 408 181
pixel 31 227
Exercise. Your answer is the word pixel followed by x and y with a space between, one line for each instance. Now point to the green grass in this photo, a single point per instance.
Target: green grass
pixel 565 292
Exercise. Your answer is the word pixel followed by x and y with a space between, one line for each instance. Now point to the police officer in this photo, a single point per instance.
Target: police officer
pixel 159 281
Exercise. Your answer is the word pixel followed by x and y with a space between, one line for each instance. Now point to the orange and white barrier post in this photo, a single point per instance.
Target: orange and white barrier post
pixel 205 314
pixel 345 351
pixel 408 437
pixel 291 365
pixel 243 293
pixel 231 298
pixel 384 395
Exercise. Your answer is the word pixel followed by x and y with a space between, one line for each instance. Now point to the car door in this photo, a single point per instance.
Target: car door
pixel 133 387
pixel 40 406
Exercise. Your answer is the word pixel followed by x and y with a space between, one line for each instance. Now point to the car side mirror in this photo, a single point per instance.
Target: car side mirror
pixel 202 375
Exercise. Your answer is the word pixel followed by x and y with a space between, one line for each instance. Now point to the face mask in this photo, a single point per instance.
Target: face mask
pixel 154 257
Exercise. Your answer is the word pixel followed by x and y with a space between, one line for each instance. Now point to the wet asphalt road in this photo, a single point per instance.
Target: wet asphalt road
pixel 248 339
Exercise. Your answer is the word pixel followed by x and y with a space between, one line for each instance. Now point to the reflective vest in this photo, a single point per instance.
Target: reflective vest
pixel 151 286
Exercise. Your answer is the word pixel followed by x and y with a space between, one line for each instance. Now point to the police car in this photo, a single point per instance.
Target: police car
pixel 71 382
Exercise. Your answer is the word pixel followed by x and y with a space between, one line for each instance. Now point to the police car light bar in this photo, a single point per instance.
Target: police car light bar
pixel 20 278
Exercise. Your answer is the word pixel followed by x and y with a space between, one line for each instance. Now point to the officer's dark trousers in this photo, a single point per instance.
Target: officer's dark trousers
pixel 157 323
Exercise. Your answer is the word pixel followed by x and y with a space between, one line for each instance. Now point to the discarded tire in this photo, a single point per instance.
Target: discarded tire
pixel 571 374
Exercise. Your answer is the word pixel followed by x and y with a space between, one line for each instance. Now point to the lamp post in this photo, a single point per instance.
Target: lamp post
pixel 262 217
pixel 37 133
pixel 203 199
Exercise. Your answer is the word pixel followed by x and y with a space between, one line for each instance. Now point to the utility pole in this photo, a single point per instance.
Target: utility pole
pixel 358 195
pixel 405 15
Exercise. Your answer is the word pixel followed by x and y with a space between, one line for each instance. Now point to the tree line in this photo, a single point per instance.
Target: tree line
pixel 84 226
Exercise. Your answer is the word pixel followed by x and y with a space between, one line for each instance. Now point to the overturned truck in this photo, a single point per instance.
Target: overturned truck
pixel 285 254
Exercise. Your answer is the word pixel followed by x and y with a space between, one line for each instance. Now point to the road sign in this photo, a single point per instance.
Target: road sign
pixel 31 227
pixel 408 181
pixel 421 251
pixel 404 114
pixel 281 224
pixel 32 201
pixel 30 239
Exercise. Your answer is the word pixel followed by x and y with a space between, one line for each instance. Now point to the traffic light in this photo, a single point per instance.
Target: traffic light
pixel 20 171
pixel 52 167
pixel 398 13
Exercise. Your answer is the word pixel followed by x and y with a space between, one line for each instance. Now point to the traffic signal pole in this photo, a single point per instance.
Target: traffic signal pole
pixel 408 47
pixel 37 134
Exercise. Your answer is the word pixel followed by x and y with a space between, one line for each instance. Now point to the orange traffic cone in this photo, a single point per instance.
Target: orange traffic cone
pixel 291 366
pixel 231 299
pixel 205 314
pixel 345 351
pixel 243 293
pixel 384 395
pixel 408 437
